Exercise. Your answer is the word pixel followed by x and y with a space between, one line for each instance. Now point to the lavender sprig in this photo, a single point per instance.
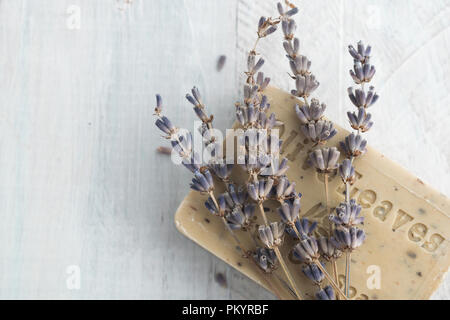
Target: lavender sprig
pixel 347 236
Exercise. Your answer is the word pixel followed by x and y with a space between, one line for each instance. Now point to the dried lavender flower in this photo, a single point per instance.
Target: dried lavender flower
pixel 164 124
pixel 353 145
pixel 307 250
pixel 310 113
pixel 305 228
pixel 260 190
pixel 196 100
pixel 158 108
pixel 241 218
pixel 262 82
pixel 284 189
pixel 319 132
pixel 289 211
pixel 292 48
pixel 202 182
pixel 214 209
pixel 327 249
pixel 183 144
pixel 300 65
pixel 362 72
pixel 348 239
pixel 272 235
pixel 325 159
pixel 305 85
pixel 312 272
pixel 326 293
pixel 362 54
pixel 347 171
pixel 222 171
pixel 360 99
pixel 266 259
pixel 360 121
pixel 347 214
pixel 235 196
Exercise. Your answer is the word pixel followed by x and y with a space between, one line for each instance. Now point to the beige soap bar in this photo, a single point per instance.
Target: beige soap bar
pixel 407 223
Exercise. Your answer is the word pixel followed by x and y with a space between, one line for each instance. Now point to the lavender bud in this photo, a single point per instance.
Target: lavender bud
pixel 266 259
pixel 310 113
pixel 347 171
pixel 222 171
pixel 241 219
pixel 272 235
pixel 353 145
pixel 327 249
pixel 325 159
pixel 348 239
pixel 326 293
pixel 284 189
pixel 305 228
pixel 289 211
pixel 313 273
pixel 259 190
pixel 202 182
pixel 361 120
pixel 158 107
pixel 347 215
pixel 305 85
pixel 291 12
pixel 217 211
pixel 319 132
pixel 361 99
pixel 307 250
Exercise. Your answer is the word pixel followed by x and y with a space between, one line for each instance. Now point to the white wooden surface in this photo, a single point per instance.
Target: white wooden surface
pixel 80 181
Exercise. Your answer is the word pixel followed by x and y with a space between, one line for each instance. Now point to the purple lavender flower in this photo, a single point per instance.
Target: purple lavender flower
pixel 307 250
pixel 266 259
pixel 259 190
pixel 166 126
pixel 310 113
pixel 300 65
pixel 348 239
pixel 347 171
pixel 305 228
pixel 362 54
pixel 324 159
pixel 288 27
pixel 240 218
pixel 305 85
pixel 292 48
pixel 312 272
pixel 202 182
pixel 158 108
pixel 272 235
pixel 289 211
pixel 326 293
pixel 362 72
pixel 235 196
pixel 284 189
pixel 347 215
pixel 319 132
pixel 183 144
pixel 360 121
pixel 327 249
pixel 222 171
pixel 217 211
pixel 262 82
pixel 353 145
pixel 360 99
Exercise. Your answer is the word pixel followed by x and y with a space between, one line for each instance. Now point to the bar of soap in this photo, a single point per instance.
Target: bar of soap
pixel 405 255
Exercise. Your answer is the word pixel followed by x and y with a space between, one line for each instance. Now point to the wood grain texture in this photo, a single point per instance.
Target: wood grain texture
pixel 81 183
